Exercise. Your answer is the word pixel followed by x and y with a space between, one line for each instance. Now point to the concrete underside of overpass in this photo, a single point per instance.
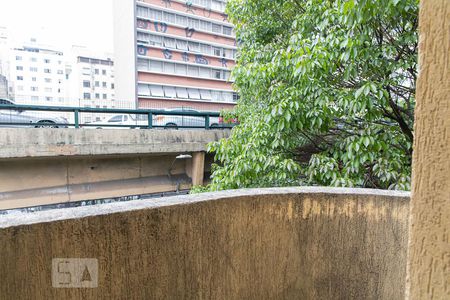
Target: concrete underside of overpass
pixel 48 166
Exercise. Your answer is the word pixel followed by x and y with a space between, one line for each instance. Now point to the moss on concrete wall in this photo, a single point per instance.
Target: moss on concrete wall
pixel 278 244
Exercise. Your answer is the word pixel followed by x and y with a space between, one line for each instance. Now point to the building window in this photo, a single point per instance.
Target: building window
pixel 182 45
pixel 18 57
pixel 49 98
pixel 217 51
pixel 97 96
pixel 194 94
pixel 216 96
pixel 33 69
pixel 205 49
pixel 19 68
pixel 194 47
pixel 170 92
pixel 34 89
pixel 227 30
pixel 217 74
pixel 60 72
pixel 156 40
pixel 47 61
pixel 47 71
pixel 104 84
pixel 105 96
pixel 228 97
pixel 181 20
pixel 112 86
pixel 34 79
pixel 205 95
pixel 216 28
pixel 87 96
pixel 143 64
pixel 144 90
pixel 156 66
pixel 170 43
pixel 156 91
pixel 97 83
pixel 20 88
pixel 48 90
pixel 97 71
pixel 48 80
pixel 204 25
pixel 169 17
pixel 205 72
pixel 181 69
pixel 169 68
pixel 19 77
pixel 193 71
pixel 35 98
pixel 86 84
pixel 182 93
pixel 104 72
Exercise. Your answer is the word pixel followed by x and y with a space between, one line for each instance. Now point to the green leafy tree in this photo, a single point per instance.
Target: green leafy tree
pixel 327 94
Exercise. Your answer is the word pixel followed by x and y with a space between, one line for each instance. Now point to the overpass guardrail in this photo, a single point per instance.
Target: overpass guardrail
pixel 12 115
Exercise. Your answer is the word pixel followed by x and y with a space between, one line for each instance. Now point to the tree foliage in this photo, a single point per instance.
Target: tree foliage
pixel 327 94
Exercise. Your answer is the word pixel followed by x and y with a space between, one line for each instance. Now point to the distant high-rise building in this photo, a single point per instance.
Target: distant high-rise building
pixel 37 75
pixel 41 75
pixel 4 93
pixel 171 53
pixel 91 82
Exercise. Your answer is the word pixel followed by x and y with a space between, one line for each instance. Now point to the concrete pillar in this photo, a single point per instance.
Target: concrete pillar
pixel 429 246
pixel 198 168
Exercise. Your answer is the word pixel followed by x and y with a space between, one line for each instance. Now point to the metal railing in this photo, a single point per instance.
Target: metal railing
pixel 71 117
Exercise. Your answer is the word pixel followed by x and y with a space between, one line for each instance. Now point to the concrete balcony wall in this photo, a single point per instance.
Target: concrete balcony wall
pixel 308 243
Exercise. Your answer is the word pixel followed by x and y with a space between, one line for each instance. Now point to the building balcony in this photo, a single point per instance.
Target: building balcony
pixel 302 243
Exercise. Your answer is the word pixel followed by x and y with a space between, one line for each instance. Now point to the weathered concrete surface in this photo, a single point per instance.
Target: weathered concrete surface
pixel 48 166
pixel 429 258
pixel 306 243
pixel 41 142
pixel 42 181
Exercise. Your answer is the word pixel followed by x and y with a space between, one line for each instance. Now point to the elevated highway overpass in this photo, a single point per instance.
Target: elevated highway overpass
pixel 47 166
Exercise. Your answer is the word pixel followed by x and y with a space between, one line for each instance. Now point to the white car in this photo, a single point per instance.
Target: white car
pixel 121 121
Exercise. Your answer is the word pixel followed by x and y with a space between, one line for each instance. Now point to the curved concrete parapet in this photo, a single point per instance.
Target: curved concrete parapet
pixel 295 243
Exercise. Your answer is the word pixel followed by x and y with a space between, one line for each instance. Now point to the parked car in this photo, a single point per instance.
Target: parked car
pixel 20 118
pixel 121 121
pixel 176 122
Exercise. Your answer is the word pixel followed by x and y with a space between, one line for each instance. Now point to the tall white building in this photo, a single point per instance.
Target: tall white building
pixel 42 75
pixel 91 82
pixel 91 79
pixel 37 75
pixel 4 63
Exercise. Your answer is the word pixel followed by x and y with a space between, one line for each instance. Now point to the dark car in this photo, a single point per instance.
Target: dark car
pixel 20 118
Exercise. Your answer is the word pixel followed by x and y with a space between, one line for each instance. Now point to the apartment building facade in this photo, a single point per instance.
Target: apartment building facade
pixel 171 53
pixel 37 75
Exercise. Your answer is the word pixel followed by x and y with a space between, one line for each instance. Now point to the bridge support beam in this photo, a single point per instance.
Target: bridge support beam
pixel 197 172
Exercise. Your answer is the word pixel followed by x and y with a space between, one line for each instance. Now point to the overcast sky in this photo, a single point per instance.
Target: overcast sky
pixel 61 23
